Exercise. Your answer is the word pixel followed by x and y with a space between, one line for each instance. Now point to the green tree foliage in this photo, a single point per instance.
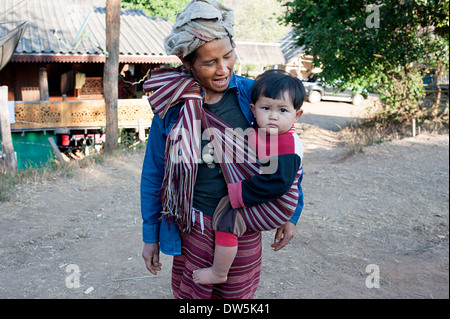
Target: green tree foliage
pixel 257 20
pixel 379 45
pixel 157 8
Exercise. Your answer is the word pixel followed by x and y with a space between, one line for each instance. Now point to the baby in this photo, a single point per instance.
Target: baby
pixel 277 99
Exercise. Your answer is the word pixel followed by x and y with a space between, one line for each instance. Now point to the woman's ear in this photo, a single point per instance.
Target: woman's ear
pixel 185 64
pixel 252 107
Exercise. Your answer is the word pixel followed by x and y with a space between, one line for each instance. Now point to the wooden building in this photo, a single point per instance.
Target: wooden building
pixel 254 57
pixel 297 62
pixel 259 56
pixel 59 63
pixel 55 76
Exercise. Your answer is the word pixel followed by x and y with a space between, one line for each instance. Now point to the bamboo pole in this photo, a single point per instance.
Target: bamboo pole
pixel 141 130
pixel 56 150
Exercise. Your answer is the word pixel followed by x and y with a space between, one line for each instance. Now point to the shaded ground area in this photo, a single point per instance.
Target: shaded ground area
pixel 333 115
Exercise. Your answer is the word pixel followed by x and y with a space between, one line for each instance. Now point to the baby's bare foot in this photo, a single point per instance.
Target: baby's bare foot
pixel 207 276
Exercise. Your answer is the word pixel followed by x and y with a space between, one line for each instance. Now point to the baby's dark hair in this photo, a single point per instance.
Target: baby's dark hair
pixel 273 84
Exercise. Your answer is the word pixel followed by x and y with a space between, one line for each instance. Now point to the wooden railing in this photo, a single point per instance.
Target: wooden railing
pixel 431 96
pixel 78 114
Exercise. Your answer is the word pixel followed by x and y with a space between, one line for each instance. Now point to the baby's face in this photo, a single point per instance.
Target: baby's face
pixel 275 115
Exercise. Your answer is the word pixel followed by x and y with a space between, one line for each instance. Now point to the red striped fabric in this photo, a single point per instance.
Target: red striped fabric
pixel 182 146
pixel 198 252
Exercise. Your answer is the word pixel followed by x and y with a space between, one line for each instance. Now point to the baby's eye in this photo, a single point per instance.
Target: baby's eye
pixel 282 110
pixel 266 108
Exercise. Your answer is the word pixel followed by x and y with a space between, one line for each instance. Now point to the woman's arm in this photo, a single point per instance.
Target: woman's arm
pixel 295 217
pixel 151 181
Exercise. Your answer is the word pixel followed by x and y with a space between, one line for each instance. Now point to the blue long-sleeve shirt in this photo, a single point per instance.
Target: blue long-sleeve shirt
pixel 164 231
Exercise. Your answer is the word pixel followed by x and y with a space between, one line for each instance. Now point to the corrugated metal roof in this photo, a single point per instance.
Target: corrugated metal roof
pixel 289 48
pixel 259 53
pixel 141 37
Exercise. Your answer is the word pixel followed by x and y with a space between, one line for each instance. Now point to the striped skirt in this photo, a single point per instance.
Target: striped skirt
pixel 198 252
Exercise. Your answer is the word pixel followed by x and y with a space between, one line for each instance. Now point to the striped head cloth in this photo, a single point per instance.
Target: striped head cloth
pixel 199 22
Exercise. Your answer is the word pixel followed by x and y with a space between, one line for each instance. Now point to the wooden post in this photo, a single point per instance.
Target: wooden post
pixel 56 150
pixel 413 127
pixel 141 130
pixel 43 84
pixel 66 113
pixel 5 132
pixel 111 73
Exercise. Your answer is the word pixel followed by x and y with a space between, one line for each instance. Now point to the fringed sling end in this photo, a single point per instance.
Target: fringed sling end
pixel 170 87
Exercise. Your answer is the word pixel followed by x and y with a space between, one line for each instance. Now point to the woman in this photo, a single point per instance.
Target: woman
pixel 202 38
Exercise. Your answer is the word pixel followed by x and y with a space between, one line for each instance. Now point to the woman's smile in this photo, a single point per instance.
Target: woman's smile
pixel 221 82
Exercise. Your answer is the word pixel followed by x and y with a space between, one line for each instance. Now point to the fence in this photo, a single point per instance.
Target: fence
pixel 32 116
pixel 432 94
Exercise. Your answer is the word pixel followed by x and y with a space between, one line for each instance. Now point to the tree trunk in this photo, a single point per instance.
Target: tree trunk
pixel 438 74
pixel 111 72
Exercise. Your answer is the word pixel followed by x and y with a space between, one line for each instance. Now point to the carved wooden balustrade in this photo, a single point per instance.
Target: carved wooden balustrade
pixel 79 114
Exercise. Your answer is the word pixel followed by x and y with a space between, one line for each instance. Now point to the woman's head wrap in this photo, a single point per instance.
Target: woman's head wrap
pixel 200 21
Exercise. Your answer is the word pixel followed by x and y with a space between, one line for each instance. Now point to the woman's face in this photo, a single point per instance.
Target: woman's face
pixel 213 66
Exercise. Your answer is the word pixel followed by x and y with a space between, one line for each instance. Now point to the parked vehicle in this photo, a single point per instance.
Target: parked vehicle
pixel 317 90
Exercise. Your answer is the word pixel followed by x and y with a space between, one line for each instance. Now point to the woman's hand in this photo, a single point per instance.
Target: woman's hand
pixel 150 253
pixel 283 236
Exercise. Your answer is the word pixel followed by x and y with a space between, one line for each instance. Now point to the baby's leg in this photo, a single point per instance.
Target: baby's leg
pixel 218 272
pixel 228 225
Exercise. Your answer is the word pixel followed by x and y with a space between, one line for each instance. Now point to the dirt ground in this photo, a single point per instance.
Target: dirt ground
pixel 375 225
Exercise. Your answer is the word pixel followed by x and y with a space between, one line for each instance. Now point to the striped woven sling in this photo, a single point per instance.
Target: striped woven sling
pixel 170 86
